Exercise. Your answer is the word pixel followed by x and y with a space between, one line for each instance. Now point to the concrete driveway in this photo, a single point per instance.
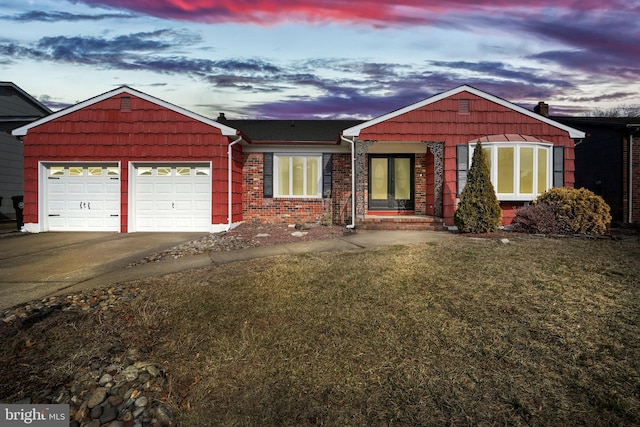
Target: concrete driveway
pixel 34 266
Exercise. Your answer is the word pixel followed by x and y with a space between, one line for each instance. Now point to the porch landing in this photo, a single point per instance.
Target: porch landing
pixel 400 222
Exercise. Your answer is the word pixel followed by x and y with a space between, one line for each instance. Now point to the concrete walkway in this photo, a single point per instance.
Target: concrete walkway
pixel 35 266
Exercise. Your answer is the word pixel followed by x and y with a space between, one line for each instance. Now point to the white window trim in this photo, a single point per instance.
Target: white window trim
pixel 276 175
pixel 517 196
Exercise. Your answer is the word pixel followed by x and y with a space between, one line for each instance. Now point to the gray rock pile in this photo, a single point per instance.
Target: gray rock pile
pixel 129 393
pixel 113 396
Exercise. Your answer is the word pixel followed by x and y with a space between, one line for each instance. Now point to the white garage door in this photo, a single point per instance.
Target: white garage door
pixel 82 197
pixel 171 197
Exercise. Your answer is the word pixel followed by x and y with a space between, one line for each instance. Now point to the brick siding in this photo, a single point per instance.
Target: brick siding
pixel 276 210
pixel 635 191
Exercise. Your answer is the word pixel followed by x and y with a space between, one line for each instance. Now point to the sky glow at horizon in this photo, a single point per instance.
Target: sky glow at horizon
pixel 323 59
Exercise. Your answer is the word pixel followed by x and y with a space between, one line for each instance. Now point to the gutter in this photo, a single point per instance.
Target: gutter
pixel 230 182
pixel 353 180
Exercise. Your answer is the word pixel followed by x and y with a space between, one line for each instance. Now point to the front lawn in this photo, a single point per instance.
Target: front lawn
pixel 463 332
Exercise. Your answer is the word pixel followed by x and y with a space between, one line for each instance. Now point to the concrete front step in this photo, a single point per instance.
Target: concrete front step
pixel 372 222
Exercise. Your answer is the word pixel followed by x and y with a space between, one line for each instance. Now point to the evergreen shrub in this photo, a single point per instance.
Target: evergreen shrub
pixel 578 210
pixel 479 210
pixel 575 211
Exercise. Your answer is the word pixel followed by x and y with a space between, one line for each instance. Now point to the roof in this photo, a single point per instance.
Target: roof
pixel 16 105
pixel 617 122
pixel 355 130
pixel 279 131
pixel 511 137
pixel 226 130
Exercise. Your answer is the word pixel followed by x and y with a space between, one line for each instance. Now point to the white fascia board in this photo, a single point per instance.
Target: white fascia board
pixel 226 130
pixel 355 130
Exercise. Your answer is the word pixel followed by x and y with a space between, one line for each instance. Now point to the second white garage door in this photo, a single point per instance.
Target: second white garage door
pixel 171 197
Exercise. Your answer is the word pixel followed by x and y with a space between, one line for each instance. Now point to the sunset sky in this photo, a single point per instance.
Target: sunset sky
pixel 285 59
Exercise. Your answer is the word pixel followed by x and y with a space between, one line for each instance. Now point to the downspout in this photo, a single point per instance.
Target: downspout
pixel 230 182
pixel 353 180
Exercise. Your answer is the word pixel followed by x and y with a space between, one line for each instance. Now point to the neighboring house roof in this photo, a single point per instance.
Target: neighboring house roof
pixel 291 131
pixel 226 130
pixel 17 106
pixel 617 122
pixel 355 130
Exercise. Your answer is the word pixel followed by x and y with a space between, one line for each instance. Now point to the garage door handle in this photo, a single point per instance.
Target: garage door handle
pixel 53 177
pixel 54 214
pixel 89 205
pixel 115 215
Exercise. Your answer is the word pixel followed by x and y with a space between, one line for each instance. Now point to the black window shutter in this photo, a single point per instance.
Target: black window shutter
pixel 326 174
pixel 462 159
pixel 267 179
pixel 558 166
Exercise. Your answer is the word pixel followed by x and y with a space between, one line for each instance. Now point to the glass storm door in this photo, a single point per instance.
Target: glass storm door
pixel 391 182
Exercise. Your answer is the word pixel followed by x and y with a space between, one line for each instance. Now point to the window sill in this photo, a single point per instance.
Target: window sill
pixel 297 198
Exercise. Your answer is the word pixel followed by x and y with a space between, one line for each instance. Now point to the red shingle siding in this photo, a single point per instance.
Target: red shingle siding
pixel 440 121
pixel 258 209
pixel 150 132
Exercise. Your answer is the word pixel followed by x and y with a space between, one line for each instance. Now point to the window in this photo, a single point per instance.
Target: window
pixel 202 171
pixel 113 171
pixel 163 171
pixel 183 171
pixel 75 171
pixel 95 171
pixel 297 176
pixel 144 171
pixel 518 171
pixel 56 171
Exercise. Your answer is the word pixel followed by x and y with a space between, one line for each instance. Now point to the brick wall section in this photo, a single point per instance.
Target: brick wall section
pixel 429 185
pixel 421 188
pixel 341 188
pixel 257 209
pixel 635 217
pixel 635 170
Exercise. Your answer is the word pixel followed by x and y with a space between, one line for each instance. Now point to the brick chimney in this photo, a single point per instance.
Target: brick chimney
pixel 542 108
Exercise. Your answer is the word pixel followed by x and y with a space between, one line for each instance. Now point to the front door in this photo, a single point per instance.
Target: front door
pixel 391 182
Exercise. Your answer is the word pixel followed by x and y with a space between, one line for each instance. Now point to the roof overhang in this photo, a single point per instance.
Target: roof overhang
pixel 226 130
pixel 30 99
pixel 355 130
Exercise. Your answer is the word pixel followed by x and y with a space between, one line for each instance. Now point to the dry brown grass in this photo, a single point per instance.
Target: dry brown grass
pixel 464 332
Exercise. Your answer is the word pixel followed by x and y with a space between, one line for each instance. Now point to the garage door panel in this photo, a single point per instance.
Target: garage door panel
pixel 164 188
pixel 183 188
pixel 82 197
pixel 75 188
pixel 202 205
pixel 202 188
pixel 180 200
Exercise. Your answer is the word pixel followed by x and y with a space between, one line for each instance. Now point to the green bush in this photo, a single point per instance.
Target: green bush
pixel 479 210
pixel 577 210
